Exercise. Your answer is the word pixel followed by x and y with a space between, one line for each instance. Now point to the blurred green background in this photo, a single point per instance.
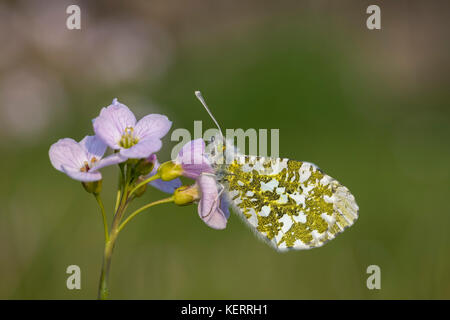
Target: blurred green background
pixel 371 108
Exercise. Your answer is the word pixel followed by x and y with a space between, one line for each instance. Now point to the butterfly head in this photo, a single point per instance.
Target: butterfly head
pixel 215 150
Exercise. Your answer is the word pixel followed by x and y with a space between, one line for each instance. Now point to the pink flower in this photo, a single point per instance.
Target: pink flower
pixel 212 208
pixel 117 127
pixel 193 160
pixel 81 160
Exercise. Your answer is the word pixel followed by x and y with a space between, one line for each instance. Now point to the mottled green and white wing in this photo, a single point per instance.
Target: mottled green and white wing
pixel 291 204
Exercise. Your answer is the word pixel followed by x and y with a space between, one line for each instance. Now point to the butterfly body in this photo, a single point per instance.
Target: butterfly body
pixel 289 204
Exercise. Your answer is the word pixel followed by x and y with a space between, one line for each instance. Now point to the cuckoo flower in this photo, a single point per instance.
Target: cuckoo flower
pixel 192 159
pixel 117 127
pixel 81 160
pixel 192 162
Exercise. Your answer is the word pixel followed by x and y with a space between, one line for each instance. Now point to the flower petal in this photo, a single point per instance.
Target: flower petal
pixel 196 146
pixel 152 125
pixel 94 147
pixel 112 122
pixel 82 176
pixel 224 206
pixel 166 186
pixel 209 195
pixel 142 149
pixel 208 207
pixel 217 221
pixel 110 160
pixel 67 152
pixel 193 160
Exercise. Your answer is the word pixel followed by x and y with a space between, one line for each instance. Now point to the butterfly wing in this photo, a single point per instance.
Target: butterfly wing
pixel 291 204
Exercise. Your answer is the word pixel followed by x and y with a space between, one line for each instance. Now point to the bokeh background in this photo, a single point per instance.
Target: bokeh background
pixel 371 108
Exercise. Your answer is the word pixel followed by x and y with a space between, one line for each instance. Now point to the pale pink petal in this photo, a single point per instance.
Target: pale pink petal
pixel 155 162
pixel 142 149
pixel 110 160
pixel 166 186
pixel 208 207
pixel 217 221
pixel 191 148
pixel 67 152
pixel 93 146
pixel 153 125
pixel 82 176
pixel 110 125
pixel 192 159
pixel 209 195
pixel 153 159
pixel 224 206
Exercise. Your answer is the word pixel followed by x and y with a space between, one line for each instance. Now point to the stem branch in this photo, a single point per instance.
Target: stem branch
pixel 135 213
pixel 105 222
pixel 152 178
pixel 103 290
pixel 124 197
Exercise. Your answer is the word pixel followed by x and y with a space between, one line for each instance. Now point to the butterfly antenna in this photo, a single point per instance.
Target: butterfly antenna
pixel 199 96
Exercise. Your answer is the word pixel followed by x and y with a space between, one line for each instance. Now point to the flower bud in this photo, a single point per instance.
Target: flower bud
pixel 170 170
pixel 132 161
pixel 186 195
pixel 94 187
pixel 139 192
pixel 144 167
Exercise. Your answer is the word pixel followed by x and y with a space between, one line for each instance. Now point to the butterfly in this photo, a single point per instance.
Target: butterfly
pixel 289 204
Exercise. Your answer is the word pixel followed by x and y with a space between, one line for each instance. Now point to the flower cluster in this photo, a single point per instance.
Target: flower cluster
pixel 115 127
pixel 193 163
pixel 134 145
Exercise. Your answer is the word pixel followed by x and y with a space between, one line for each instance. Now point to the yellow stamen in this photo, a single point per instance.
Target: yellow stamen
pixel 85 167
pixel 128 139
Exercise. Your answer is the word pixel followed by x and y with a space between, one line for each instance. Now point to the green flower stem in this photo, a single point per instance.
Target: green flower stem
pixel 105 222
pixel 121 205
pixel 103 290
pixel 117 200
pixel 124 197
pixel 152 178
pixel 151 204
